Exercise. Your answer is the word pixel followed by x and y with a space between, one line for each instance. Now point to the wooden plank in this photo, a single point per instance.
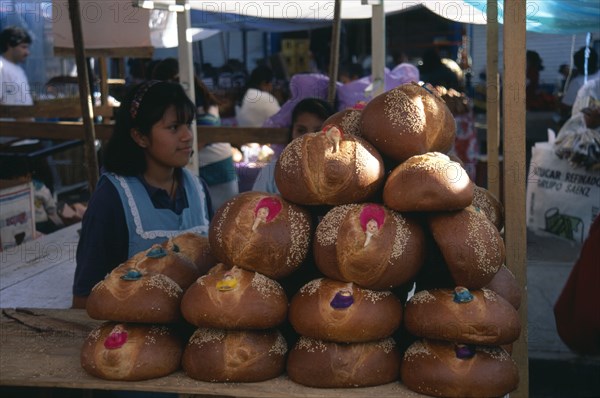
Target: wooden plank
pixel 54 108
pixel 493 101
pixel 206 134
pixel 514 170
pixel 125 52
pixel 38 352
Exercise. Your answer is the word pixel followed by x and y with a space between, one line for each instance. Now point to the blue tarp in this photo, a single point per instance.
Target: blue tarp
pixel 554 16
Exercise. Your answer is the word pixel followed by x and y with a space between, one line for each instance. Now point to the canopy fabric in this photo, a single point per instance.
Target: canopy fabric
pixel 555 16
pixel 546 16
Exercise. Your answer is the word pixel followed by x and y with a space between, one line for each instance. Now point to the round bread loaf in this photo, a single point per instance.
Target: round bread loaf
pixel 329 168
pixel 195 247
pixel 486 202
pixel 470 317
pixel 505 284
pixel 428 182
pixel 233 298
pixel 347 120
pixel 261 232
pixel 164 260
pixel 132 295
pixel 408 120
pixel 443 369
pixel 470 244
pixel 370 245
pixel 326 309
pixel 239 356
pixel 318 363
pixel 130 352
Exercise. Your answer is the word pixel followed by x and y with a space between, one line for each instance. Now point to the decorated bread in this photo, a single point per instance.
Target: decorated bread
pixel 195 247
pixel 370 245
pixel 133 295
pixel 408 120
pixel 347 120
pixel 166 261
pixel 233 298
pixel 470 244
pixel 470 317
pixel 445 369
pixel 131 352
pixel 487 203
pixel 318 363
pixel 428 182
pixel 261 232
pixel 330 167
pixel 326 309
pixel 505 284
pixel 238 356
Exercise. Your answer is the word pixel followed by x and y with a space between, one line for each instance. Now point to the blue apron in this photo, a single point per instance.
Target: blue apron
pixel 148 225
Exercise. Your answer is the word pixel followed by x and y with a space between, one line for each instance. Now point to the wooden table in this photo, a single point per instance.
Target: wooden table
pixel 39 273
pixel 40 348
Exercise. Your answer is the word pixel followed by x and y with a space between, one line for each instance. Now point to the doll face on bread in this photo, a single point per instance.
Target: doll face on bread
pixel 116 338
pixel 265 211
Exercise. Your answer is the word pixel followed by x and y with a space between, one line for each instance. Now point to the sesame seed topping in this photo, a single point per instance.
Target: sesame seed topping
pixel 311 287
pixel 417 349
pixel 206 335
pixel 300 231
pixel 165 284
pixel 423 296
pixel 402 236
pixel 279 347
pixel 401 111
pixel 489 294
pixel 387 345
pixel 328 228
pixel 310 345
pixel 265 286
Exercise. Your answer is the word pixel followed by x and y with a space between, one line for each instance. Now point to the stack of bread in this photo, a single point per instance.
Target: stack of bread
pixel 140 300
pixel 424 221
pixel 239 304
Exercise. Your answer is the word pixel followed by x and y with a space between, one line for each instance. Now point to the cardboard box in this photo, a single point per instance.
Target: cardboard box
pixel 17 224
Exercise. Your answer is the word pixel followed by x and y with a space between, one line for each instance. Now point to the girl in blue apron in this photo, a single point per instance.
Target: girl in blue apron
pixel 146 194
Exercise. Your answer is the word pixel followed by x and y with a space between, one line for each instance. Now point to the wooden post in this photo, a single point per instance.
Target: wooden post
pixel 514 170
pixel 334 55
pixel 378 49
pixel 493 101
pixel 85 98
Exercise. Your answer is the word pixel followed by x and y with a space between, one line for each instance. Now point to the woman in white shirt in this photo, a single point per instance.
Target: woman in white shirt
pixel 258 103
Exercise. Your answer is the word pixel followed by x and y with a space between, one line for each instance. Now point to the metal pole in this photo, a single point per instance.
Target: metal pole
pixel 378 49
pixel 85 98
pixel 334 55
pixel 186 70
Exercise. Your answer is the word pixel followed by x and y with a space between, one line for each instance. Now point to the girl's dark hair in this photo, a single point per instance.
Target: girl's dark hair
pixel 579 60
pixel 12 36
pixel 260 74
pixel 316 106
pixel 143 106
pixel 168 69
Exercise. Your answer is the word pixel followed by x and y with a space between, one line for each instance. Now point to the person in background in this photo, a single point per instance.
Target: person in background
pixel 307 117
pixel 573 86
pixel 146 194
pixel 14 86
pixel 432 70
pixel 258 104
pixel 576 311
pixel 350 72
pixel 214 159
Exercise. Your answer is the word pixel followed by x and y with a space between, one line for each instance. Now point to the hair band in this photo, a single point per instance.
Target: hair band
pixel 139 95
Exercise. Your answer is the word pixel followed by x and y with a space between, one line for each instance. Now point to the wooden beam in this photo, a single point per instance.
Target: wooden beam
pixel 55 108
pixel 135 52
pixel 493 101
pixel 513 103
pixel 85 97
pixel 206 134
pixel 334 55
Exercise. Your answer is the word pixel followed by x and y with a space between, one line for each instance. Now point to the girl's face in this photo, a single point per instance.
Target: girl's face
pixel 170 143
pixel 306 123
